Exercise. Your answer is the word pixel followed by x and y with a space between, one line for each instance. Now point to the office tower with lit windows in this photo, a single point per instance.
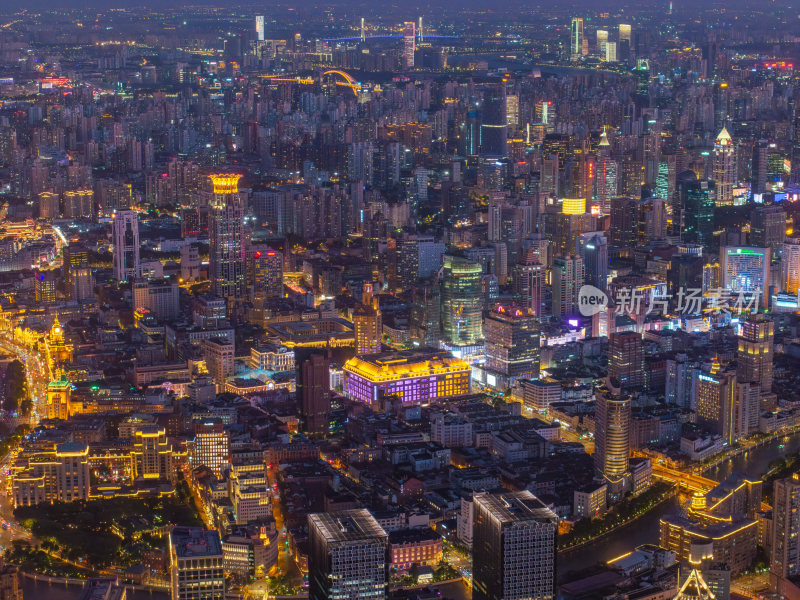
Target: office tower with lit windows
pixel 528 279
pixel 78 278
pixel 409 44
pixel 602 40
pixel 227 267
pixel 260 28
pixel 367 324
pixel 785 556
pixel 715 402
pixel 593 251
pixel 624 228
pixel 494 122
pixel 697 200
pixel 152 454
pixel 790 266
pixel 724 166
pixel 568 275
pixel 625 42
pixel 513 547
pixel 44 287
pixel 219 355
pixel 211 446
pixel 755 351
pixel 768 227
pixel 127 265
pixel 347 556
pixel 59 392
pixel 196 564
pixel 462 304
pixel 425 322
pixel 512 343
pixel 314 392
pixel 612 437
pixel 267 273
pixel 745 270
pixel 576 39
pixel 626 361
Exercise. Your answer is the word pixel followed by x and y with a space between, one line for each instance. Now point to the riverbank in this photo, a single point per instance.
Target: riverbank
pixel 592 536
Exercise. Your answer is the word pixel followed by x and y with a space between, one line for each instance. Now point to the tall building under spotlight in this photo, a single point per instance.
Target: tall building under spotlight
pixel 347 556
pixel 227 268
pixel 612 438
pixel 755 355
pixel 127 265
pixel 367 324
pixel 724 167
pixel 260 27
pixel 513 547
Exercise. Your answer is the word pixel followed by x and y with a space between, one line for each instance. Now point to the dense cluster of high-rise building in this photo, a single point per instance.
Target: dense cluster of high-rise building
pixel 397 299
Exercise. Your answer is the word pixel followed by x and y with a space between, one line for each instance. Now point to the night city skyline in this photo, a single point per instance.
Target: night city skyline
pixel 385 301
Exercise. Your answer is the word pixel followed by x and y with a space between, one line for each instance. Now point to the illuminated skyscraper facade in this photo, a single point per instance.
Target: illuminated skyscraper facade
pixel 227 267
pixel 127 265
pixel 462 305
pixel 612 436
pixel 513 547
pixel 576 39
pixel 409 44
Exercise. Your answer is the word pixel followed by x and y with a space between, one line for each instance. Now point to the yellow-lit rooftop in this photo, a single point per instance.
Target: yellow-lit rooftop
pixel 388 366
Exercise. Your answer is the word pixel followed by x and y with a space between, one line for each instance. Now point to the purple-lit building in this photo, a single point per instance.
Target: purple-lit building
pixel 414 376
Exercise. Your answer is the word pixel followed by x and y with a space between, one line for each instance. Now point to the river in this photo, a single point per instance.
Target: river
pixel 753 463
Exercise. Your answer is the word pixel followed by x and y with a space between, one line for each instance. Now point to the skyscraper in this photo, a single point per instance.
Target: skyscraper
pixel 745 269
pixel 211 446
pixel 425 323
pixel 593 250
pixel 512 342
pixel 126 245
pixel 724 167
pixel 347 556
pixel 462 305
pixel 626 361
pixel 612 422
pixel 367 324
pixel 697 201
pixel 785 558
pixel 314 392
pixel 196 564
pixel 567 278
pixel 790 266
pixel 267 273
pixel 494 122
pixel 513 547
pixel 715 402
pixel 576 39
pixel 260 28
pixel 409 45
pixel 227 268
pixel 755 354
pixel 77 273
pixel 528 279
pixel 768 227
